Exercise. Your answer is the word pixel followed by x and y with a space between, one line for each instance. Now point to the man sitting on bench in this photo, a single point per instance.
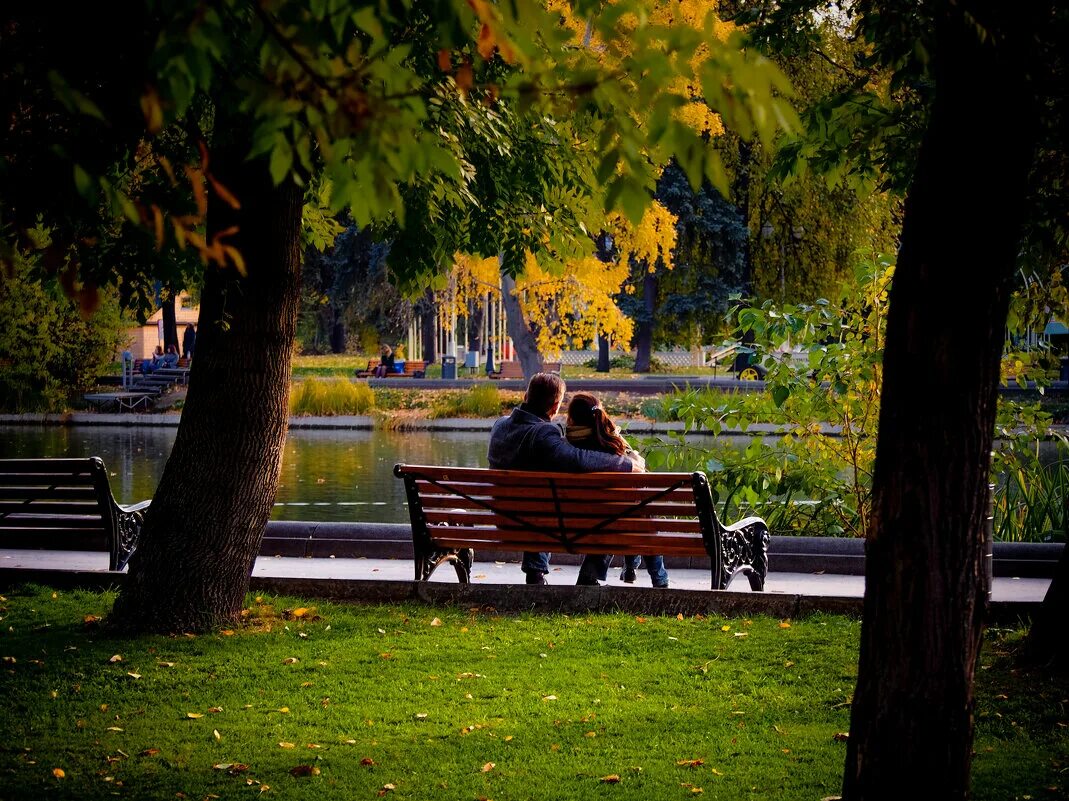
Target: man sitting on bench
pixel 528 440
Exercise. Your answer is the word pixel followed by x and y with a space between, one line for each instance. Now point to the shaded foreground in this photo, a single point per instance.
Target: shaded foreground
pixel 419 702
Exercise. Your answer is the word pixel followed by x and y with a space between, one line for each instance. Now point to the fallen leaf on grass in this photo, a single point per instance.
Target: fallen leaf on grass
pixel 290 660
pixel 285 710
pixel 90 620
pixel 679 616
pixel 215 710
pixel 165 664
pixel 367 762
pixel 640 620
pixel 233 768
pixel 58 773
pixel 114 659
pixel 421 716
pixel 386 788
pixel 436 622
pixel 227 632
pixel 841 736
pixel 149 752
pixel 304 770
pixel 286 745
pixel 306 684
pixel 114 728
pixel 613 778
pixel 489 766
pixel 549 698
pixel 785 624
pixel 725 627
pixel 690 763
pixel 216 734
pixel 194 715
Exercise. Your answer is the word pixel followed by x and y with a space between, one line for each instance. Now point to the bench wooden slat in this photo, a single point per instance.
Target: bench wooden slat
pixel 636 545
pixel 572 508
pixel 456 509
pixel 437 495
pixel 51 522
pixel 48 466
pixel 573 525
pixel 55 507
pixel 58 493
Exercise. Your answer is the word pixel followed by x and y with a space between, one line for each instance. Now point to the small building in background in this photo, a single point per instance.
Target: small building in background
pixel 144 338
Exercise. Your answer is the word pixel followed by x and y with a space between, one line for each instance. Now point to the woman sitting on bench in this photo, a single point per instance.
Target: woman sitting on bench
pixel 385 363
pixel 590 428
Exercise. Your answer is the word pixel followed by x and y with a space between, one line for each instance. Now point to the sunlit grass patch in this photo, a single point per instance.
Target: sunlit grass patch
pixel 330 396
pixel 482 400
pixel 352 699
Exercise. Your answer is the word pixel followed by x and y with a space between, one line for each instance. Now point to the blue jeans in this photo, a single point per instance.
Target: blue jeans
pixel 654 566
pixel 594 565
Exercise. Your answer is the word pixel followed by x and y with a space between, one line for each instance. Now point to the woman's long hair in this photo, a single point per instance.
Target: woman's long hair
pixel 590 427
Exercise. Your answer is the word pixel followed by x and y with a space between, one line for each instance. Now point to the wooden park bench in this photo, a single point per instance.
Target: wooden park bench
pixel 457 509
pixel 412 369
pixel 514 370
pixel 66 504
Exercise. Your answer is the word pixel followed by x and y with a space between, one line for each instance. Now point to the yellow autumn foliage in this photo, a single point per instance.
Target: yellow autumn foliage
pixel 698 14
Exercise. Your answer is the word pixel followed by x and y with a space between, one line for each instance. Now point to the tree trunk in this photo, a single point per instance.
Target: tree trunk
pixel 516 325
pixel 428 309
pixel 912 716
pixel 170 323
pixel 476 313
pixel 203 530
pixel 644 334
pixel 338 332
pixel 604 363
pixel 1047 644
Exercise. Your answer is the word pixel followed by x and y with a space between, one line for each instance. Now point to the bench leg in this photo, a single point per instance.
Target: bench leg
pixel 745 549
pixel 124 538
pixel 427 561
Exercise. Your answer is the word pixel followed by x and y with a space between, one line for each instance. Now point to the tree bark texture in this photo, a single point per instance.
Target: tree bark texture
pixel 644 334
pixel 516 324
pixel 912 717
pixel 203 530
pixel 170 323
pixel 604 362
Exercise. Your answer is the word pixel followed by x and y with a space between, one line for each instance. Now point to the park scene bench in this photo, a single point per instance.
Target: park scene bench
pixel 509 370
pixel 66 504
pixel 456 510
pixel 412 368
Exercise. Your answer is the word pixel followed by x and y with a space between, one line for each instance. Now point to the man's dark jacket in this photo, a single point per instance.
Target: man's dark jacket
pixel 526 441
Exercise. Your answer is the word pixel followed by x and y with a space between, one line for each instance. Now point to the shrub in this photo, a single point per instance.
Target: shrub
pixel 49 350
pixel 330 396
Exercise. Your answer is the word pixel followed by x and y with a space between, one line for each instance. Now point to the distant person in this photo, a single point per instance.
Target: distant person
pixel 170 358
pixel 386 362
pixel 150 365
pixel 527 440
pixel 591 428
pixel 189 339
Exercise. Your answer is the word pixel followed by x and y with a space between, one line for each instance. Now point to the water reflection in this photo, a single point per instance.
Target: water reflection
pixel 326 475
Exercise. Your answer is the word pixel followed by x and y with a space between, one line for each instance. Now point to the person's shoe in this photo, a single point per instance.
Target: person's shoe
pixel 587 581
pixel 536 578
pixel 628 575
pixel 661 586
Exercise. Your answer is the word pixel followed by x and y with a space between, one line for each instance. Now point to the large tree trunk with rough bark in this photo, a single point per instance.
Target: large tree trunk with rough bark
pixel 516 324
pixel 203 530
pixel 925 589
pixel 604 362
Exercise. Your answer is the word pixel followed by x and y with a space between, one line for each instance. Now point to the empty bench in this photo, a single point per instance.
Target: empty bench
pixel 514 370
pixel 456 510
pixel 66 504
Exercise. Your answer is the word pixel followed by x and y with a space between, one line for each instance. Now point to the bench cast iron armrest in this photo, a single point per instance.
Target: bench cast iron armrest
pixel 128 524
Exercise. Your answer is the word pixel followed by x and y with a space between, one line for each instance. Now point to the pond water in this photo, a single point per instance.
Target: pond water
pixel 327 475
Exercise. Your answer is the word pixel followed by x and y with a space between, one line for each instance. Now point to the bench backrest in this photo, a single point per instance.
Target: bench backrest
pixel 514 370
pixel 55 503
pixel 653 513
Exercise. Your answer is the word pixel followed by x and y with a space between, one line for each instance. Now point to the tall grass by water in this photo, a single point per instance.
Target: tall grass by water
pixel 307 700
pixel 330 396
pixel 1031 505
pixel 482 400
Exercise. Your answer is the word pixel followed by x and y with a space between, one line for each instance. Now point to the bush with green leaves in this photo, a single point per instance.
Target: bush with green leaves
pixel 52 349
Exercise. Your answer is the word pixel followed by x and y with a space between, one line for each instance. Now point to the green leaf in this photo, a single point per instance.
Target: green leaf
pixel 780 394
pixel 281 161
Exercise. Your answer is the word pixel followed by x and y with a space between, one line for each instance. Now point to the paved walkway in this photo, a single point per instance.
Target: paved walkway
pixel 1020 590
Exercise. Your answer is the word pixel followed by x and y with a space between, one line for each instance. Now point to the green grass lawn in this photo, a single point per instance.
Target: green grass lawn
pixel 419 702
